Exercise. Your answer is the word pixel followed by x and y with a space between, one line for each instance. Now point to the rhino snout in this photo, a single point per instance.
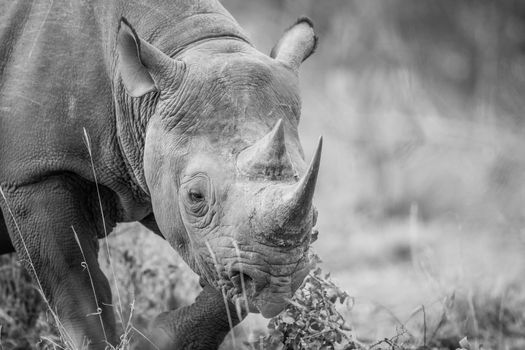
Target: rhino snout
pixel 259 291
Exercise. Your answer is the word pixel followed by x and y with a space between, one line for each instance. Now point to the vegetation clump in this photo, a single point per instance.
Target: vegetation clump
pixel 311 319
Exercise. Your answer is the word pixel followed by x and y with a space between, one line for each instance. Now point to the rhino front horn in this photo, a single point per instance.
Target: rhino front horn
pixel 304 192
pixel 267 157
pixel 299 202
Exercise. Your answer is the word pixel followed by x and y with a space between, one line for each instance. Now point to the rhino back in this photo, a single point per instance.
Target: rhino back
pixel 53 83
pixel 57 60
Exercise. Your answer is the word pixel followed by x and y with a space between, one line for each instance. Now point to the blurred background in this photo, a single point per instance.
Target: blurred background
pixel 421 198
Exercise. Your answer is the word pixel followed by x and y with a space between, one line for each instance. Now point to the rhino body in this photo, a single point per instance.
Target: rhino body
pixel 160 112
pixel 57 77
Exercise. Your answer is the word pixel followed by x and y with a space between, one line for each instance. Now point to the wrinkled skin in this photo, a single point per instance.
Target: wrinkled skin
pixel 191 131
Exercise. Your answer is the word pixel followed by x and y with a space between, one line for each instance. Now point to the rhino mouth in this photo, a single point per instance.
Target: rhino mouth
pixel 252 290
pixel 240 289
pixel 269 301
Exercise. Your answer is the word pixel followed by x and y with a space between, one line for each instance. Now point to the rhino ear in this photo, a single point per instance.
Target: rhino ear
pixel 142 67
pixel 297 44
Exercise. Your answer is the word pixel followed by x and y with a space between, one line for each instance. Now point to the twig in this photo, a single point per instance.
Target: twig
pixel 223 291
pixel 424 326
pixel 85 265
pixel 88 145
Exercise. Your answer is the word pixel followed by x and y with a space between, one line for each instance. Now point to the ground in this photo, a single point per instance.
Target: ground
pixel 412 282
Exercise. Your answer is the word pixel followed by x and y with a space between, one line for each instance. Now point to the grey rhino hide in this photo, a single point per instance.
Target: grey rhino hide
pixel 160 112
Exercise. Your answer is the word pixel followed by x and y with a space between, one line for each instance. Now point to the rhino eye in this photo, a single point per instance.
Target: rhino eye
pixel 196 196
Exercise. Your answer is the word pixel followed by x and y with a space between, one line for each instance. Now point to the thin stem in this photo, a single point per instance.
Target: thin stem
pixel 88 145
pixel 85 265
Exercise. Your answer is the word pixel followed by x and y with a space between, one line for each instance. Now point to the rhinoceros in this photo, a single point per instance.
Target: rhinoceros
pixel 164 113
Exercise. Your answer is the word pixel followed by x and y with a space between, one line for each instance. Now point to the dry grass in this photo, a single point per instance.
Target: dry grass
pixel 426 297
pixel 146 277
pixel 23 319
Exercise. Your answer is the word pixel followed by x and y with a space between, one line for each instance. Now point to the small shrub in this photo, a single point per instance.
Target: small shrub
pixel 311 320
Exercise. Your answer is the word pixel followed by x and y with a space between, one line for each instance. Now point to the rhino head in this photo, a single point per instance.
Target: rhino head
pixel 222 161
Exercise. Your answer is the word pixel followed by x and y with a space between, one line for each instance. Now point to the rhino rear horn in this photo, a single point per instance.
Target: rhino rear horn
pixel 296 44
pixel 268 156
pixel 142 67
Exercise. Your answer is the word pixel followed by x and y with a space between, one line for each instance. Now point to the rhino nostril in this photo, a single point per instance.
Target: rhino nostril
pixel 242 282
